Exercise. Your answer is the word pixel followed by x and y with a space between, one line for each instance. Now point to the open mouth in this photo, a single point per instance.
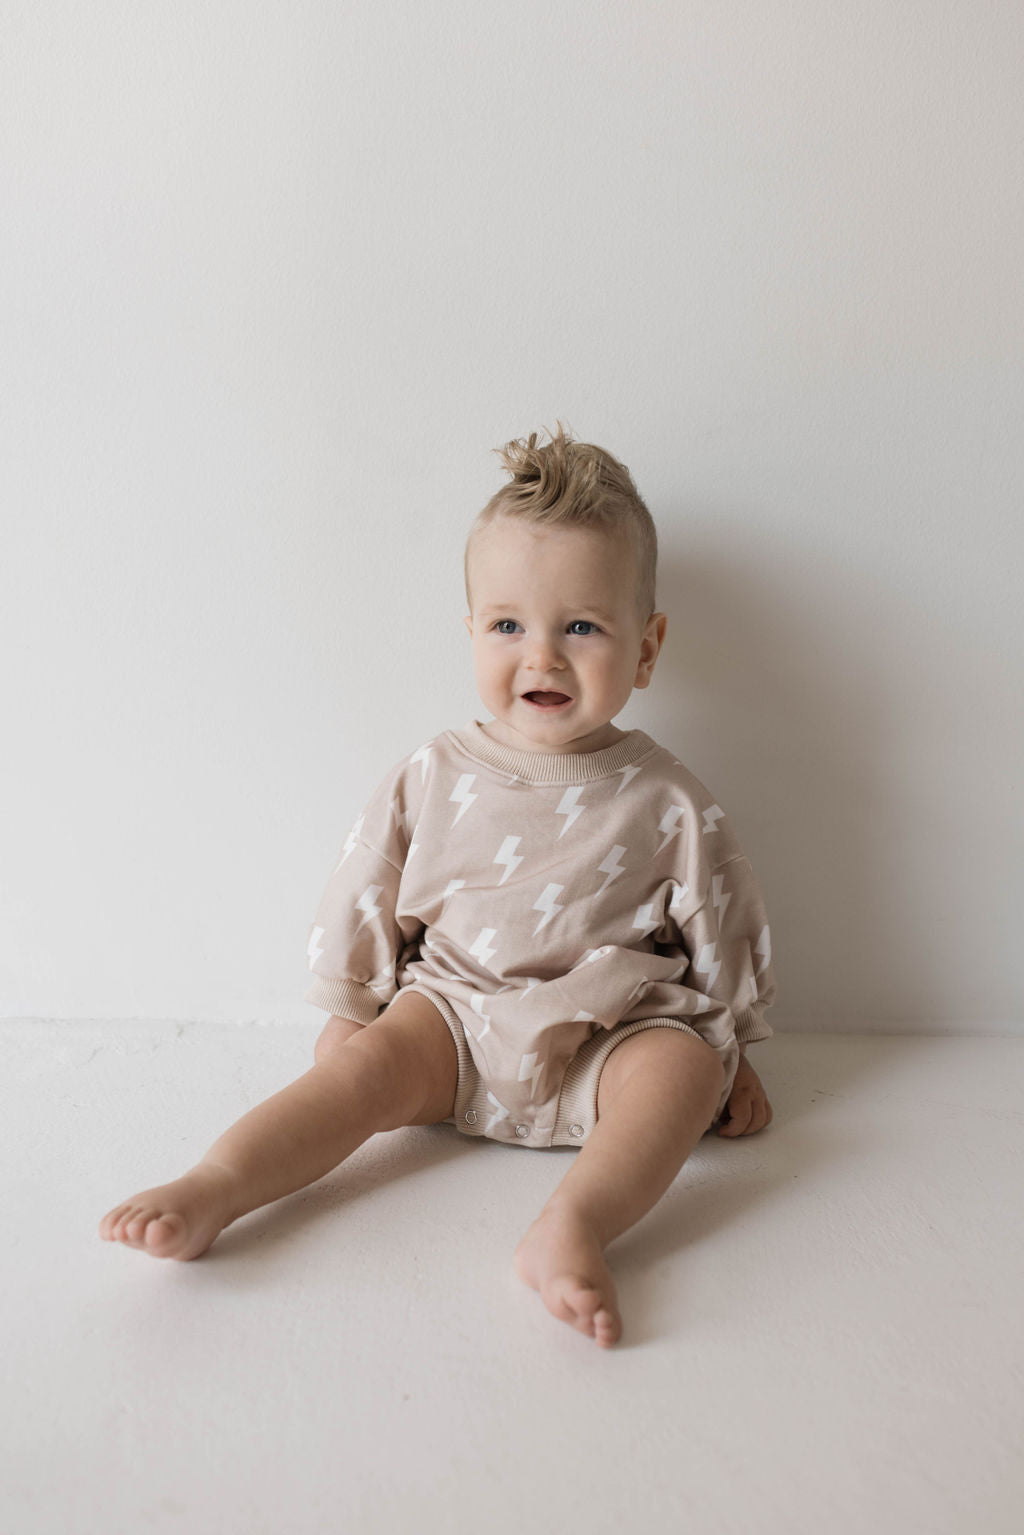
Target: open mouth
pixel 547 700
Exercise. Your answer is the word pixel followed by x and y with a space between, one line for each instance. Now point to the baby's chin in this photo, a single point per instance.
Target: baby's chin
pixel 540 734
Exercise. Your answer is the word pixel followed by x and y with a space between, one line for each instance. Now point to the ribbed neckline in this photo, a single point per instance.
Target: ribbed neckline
pixel 552 767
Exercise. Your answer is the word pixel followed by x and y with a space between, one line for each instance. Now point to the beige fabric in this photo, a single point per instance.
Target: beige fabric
pixel 545 897
pixel 576 1114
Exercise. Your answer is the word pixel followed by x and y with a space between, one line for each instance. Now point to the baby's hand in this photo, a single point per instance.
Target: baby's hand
pixel 748 1109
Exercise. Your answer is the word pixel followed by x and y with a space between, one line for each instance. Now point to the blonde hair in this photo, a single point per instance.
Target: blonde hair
pixel 570 484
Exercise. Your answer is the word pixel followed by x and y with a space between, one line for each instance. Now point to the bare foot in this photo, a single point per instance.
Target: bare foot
pixel 561 1257
pixel 178 1220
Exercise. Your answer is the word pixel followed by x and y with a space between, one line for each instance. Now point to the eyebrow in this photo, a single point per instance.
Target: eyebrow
pixel 509 607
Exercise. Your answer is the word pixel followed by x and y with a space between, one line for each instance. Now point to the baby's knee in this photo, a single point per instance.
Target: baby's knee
pixel 665 1058
pixel 336 1033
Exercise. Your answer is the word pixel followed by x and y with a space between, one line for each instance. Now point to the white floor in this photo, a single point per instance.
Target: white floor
pixel 824 1323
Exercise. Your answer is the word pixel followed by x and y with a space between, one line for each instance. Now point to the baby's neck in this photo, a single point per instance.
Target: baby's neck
pixel 597 741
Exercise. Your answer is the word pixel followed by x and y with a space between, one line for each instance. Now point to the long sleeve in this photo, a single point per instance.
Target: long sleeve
pixel 728 945
pixel 358 941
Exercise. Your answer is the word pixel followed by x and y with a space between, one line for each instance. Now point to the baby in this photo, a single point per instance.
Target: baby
pixel 540 930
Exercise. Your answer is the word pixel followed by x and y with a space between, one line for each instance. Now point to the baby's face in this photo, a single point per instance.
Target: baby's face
pixel 558 645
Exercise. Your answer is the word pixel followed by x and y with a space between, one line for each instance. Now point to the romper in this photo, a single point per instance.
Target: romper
pixel 549 905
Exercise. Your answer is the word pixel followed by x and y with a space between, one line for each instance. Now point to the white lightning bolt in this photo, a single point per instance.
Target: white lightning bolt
pixel 314 949
pixel 611 866
pixel 365 903
pixel 381 980
pixel 590 955
pixel 500 1115
pixel 423 758
pixel 547 902
pixel 764 948
pixel 531 982
pixel 568 807
pixel 707 964
pixel 477 1004
pixel 752 978
pixel 401 815
pixel 450 889
pixel 679 894
pixel 480 948
pixel 414 847
pixel 645 918
pixel 351 840
pixel 461 796
pixel 530 1071
pixel 506 854
pixel 712 816
pixel 628 774
pixel 667 824
pixel 719 901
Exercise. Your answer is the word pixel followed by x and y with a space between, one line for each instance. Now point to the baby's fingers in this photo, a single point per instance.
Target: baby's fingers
pixel 739 1109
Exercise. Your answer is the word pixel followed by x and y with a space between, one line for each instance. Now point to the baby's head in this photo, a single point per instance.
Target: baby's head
pixel 560 578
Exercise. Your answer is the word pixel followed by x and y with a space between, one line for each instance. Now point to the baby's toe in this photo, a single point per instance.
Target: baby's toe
pixel 165 1233
pixel 607 1327
pixel 135 1228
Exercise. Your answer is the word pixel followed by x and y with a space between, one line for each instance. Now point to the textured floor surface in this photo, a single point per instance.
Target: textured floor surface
pixel 823 1323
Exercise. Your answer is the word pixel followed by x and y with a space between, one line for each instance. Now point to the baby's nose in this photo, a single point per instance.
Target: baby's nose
pixel 543 653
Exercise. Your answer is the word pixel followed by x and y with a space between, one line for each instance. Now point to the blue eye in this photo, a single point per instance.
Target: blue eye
pixel 500 625
pixel 585 623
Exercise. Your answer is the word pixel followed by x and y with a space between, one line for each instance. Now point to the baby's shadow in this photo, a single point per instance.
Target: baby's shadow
pixel 413 1152
pixel 807 1078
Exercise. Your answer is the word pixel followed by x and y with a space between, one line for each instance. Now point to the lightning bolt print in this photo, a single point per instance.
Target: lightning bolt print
pixel 423 758
pixel 461 796
pixel 628 774
pixel 351 840
pixel 366 905
pixel 385 976
pixel 707 964
pixel 450 889
pixel 501 1112
pixel 506 854
pixel 679 894
pixel 568 807
pixel 712 816
pixel 719 901
pixel 547 902
pixel 590 955
pixel 314 949
pixel 764 948
pixel 530 1070
pixel 477 1004
pixel 668 825
pixel 480 949
pixel 611 866
pixel 645 918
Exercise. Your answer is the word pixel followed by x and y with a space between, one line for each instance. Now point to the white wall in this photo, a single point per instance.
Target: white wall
pixel 276 278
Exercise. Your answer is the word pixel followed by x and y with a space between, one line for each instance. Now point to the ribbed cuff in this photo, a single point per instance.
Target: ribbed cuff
pixel 347 999
pixel 751 1026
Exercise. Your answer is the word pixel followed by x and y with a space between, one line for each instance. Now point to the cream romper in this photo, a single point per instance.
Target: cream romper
pixel 548 906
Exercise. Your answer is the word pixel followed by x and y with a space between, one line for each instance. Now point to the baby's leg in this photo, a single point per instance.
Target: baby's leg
pixel 657 1096
pixel 400 1070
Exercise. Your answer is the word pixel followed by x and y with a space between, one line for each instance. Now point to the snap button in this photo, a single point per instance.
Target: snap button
pixel 576 1130
pixel 522 1131
pixel 471 1116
